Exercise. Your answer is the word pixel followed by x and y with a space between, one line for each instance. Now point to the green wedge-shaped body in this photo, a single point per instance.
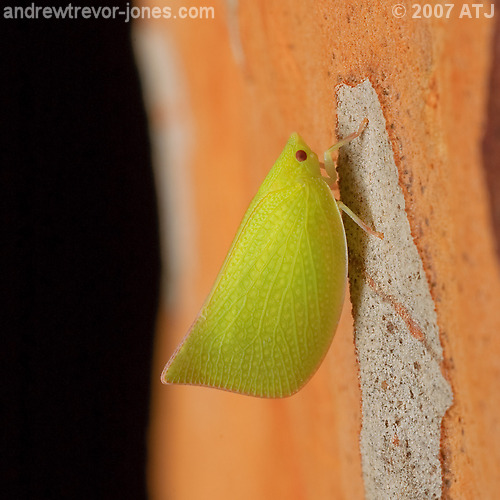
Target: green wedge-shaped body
pixel 273 310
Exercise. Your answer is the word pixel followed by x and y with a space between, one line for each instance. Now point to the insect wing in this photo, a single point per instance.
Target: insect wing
pixel 271 316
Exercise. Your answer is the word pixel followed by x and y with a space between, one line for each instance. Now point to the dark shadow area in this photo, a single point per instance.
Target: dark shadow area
pixel 81 261
pixel 491 143
pixel 357 240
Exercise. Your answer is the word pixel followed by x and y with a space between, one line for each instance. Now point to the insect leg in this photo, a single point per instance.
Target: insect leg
pixel 331 164
pixel 358 221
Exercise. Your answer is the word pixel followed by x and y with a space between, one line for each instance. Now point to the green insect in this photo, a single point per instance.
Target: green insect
pixel 272 313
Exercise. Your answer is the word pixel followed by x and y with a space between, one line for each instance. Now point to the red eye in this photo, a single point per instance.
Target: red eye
pixel 301 155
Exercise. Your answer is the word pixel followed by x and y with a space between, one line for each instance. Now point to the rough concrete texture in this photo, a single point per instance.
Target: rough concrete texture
pixel 404 394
